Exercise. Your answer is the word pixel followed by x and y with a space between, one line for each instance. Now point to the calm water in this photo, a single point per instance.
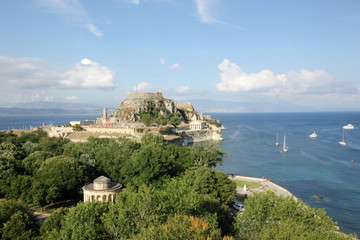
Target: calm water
pixel 311 167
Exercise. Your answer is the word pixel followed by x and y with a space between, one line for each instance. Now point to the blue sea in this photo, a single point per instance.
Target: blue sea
pixel 311 167
pixel 319 166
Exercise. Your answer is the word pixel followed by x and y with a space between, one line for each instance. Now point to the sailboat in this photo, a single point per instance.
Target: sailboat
pixel 313 135
pixel 285 148
pixel 343 139
pixel 277 140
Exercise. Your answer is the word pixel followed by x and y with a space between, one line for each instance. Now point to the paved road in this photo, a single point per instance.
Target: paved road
pixel 266 184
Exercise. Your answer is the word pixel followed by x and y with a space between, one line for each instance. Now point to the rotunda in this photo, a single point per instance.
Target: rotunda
pixel 102 189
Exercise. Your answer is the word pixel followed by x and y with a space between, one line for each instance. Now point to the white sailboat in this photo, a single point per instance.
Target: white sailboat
pixel 277 140
pixel 285 148
pixel 313 135
pixel 343 139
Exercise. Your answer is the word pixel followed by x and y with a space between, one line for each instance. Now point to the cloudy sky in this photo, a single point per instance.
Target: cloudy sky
pixel 300 53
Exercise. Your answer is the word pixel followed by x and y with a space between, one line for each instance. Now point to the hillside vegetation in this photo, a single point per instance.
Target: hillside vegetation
pixel 171 193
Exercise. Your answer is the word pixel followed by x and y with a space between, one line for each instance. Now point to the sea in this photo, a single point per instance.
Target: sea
pixel 311 167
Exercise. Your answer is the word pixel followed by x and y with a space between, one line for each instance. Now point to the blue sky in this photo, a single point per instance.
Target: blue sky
pixel 294 55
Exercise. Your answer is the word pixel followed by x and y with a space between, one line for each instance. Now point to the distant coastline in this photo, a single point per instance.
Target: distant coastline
pixel 33 111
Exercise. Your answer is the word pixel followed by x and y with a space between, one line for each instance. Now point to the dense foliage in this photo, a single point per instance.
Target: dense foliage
pixel 171 193
pixel 157 114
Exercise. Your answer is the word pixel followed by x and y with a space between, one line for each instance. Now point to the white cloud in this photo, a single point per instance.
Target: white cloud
pixel 135 1
pixel 203 8
pixel 181 89
pixel 72 9
pixel 233 79
pixel 27 73
pixel 175 66
pixel 72 98
pixel 304 80
pixel 162 60
pixel 94 30
pixel 88 74
pixel 205 13
pixel 142 86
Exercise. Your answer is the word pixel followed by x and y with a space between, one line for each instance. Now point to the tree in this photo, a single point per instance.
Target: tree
pixel 180 227
pixel 20 226
pixel 17 222
pixel 268 216
pixel 208 181
pixel 64 173
pixel 150 164
pixel 78 128
pixel 111 155
pixel 84 222
pixel 52 225
pixel 54 145
pixel 175 120
pixel 206 154
pixel 8 167
pixel 11 151
pixel 33 162
pixel 33 136
pixel 138 209
pixel 149 138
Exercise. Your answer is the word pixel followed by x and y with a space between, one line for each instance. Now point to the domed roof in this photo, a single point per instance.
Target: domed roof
pixel 102 179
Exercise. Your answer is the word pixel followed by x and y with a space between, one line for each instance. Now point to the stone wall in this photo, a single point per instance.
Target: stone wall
pixel 194 136
pixel 187 106
pixel 126 131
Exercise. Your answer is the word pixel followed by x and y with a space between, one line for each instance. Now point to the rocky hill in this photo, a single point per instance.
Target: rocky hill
pixel 139 107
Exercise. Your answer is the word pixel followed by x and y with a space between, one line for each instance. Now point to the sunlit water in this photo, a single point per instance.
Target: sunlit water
pixel 311 167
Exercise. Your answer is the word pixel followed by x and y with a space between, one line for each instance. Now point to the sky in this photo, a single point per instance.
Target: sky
pixel 229 55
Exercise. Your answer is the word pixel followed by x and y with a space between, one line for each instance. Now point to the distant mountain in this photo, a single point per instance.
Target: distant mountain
pixel 210 106
pixel 51 108
pixel 20 111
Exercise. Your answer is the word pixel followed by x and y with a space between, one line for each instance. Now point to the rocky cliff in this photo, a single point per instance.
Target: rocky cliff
pixel 137 105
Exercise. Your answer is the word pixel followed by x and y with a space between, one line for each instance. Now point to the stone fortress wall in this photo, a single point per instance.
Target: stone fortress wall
pixel 124 131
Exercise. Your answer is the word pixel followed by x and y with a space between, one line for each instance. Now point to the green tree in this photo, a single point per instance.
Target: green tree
pixel 207 154
pixel 180 227
pixel 111 155
pixel 33 136
pixel 136 210
pixel 64 173
pixel 52 225
pixel 150 164
pixel 149 138
pixel 8 167
pixel 84 222
pixel 214 183
pixel 175 120
pixel 268 216
pixel 11 151
pixel 53 145
pixel 33 162
pixel 78 128
pixel 16 221
pixel 19 227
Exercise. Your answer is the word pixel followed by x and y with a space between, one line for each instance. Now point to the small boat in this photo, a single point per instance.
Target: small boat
pixel 349 126
pixel 285 148
pixel 277 140
pixel 313 135
pixel 342 142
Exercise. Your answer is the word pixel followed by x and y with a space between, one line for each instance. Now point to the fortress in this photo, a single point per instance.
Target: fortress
pixel 128 113
pixel 140 113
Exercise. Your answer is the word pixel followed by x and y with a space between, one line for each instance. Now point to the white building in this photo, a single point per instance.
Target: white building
pixel 197 125
pixel 102 189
